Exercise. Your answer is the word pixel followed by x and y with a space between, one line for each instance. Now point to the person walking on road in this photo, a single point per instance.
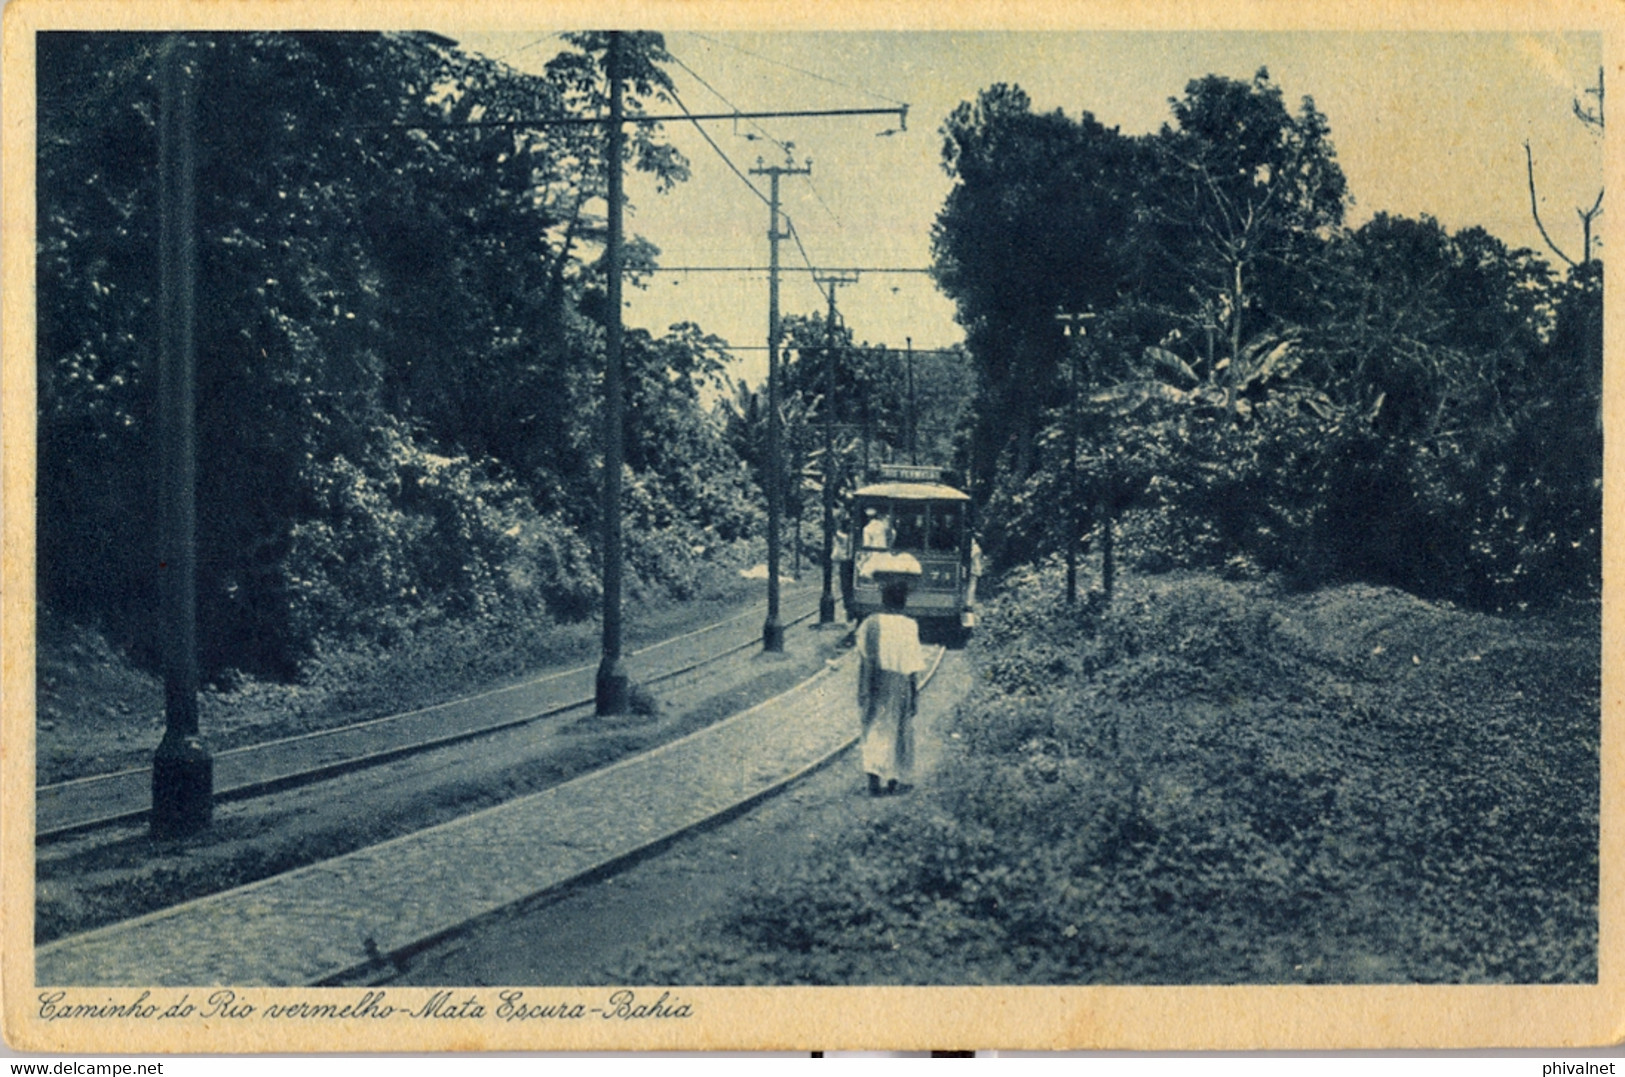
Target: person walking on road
pixel 889 664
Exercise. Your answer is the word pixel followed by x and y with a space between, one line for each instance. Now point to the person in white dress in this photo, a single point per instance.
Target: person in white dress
pixel 877 532
pixel 889 665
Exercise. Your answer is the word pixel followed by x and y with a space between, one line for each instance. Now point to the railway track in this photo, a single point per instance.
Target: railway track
pixel 358 917
pixel 70 808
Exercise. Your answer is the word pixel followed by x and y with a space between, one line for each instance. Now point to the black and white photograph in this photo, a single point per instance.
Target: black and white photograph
pixel 516 526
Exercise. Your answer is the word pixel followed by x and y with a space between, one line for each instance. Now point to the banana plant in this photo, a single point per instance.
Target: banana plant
pixel 1265 367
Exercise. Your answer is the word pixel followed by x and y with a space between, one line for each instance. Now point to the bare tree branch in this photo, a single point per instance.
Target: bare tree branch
pixel 1534 208
pixel 1592 118
pixel 1586 217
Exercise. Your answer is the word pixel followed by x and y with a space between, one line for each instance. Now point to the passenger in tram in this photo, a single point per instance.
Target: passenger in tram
pixel 877 534
pixel 889 665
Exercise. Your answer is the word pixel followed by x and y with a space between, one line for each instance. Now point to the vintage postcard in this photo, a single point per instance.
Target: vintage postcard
pixel 565 526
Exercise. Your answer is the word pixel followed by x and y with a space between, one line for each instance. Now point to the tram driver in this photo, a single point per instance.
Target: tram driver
pixel 908 533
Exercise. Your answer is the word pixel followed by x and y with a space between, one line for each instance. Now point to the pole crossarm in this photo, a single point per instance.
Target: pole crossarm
pixel 584 121
pixel 854 270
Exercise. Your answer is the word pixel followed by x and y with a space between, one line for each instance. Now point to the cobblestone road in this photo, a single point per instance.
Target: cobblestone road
pixel 331 917
pixel 258 768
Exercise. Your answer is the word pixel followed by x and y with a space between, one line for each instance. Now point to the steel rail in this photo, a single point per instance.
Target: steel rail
pixel 380 967
pixel 374 962
pixel 310 775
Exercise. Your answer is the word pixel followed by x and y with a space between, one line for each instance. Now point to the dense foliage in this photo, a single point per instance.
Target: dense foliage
pixel 1217 782
pixel 887 405
pixel 1260 383
pixel 399 337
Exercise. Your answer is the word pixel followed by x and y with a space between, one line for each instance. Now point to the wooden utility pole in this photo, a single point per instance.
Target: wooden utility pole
pixel 613 686
pixel 182 769
pixel 826 601
pixel 1075 324
pixel 772 628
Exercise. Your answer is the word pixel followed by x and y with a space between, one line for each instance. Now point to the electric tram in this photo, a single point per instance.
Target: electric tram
pixel 913 509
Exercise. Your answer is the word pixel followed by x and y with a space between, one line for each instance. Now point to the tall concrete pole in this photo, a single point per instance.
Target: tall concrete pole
pixel 826 601
pixel 773 628
pixel 613 686
pixel 182 769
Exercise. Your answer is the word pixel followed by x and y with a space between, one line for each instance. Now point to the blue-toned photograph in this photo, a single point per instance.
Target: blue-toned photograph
pixel 598 508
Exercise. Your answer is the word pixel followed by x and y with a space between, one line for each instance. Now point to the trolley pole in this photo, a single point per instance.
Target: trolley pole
pixel 868 414
pixel 772 628
pixel 182 769
pixel 826 601
pixel 913 415
pixel 613 685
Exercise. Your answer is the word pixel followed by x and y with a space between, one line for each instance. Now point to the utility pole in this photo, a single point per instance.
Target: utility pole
pixel 613 686
pixel 826 601
pixel 613 689
pixel 868 410
pixel 772 629
pixel 182 769
pixel 1076 324
pixel 913 416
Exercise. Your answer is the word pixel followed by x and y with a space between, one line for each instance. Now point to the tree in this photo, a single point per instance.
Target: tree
pixel 1247 191
pixel 399 333
pixel 1264 388
pixel 1038 219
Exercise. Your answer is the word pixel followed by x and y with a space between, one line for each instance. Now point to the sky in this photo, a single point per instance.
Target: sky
pixel 1422 122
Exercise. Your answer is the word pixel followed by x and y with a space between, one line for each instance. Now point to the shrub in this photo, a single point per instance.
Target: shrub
pixel 405 538
pixel 1212 781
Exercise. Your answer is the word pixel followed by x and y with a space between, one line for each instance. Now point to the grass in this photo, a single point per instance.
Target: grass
pixel 1218 782
pixel 97 713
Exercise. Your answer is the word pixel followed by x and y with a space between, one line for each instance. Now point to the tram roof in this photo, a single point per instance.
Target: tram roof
pixel 913 491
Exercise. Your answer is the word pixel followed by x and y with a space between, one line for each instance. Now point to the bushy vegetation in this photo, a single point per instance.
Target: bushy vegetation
pixel 1220 782
pixel 1394 403
pixel 399 338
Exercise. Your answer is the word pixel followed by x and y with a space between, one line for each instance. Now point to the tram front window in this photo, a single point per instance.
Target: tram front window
pixel 910 529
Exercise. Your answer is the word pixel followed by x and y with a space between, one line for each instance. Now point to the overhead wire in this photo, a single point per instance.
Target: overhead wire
pixel 790 223
pixel 678 60
pixel 790 269
pixel 814 189
pixel 785 146
pixel 790 226
pixel 676 99
pixel 793 67
pixel 505 57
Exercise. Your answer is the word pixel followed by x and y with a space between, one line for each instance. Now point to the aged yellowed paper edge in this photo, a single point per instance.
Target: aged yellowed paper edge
pixel 1212 1018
